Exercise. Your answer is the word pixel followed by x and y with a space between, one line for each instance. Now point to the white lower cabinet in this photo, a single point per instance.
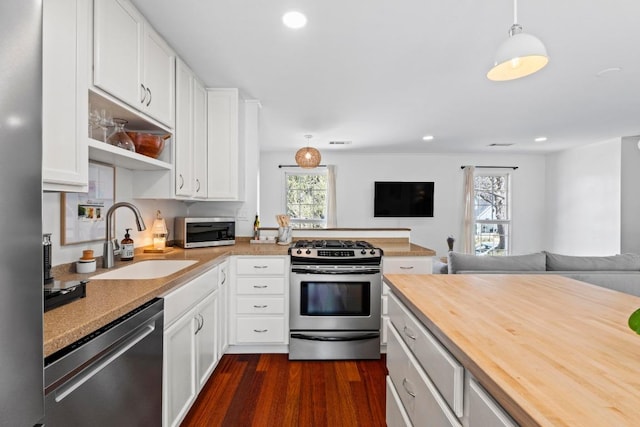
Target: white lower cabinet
pixel 191 350
pixel 419 396
pixel 427 386
pixel 400 265
pixel 259 302
pixel 223 306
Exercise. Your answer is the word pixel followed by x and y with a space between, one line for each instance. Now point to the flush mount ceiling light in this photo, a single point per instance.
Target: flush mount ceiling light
pixel 540 139
pixel 518 56
pixel 294 19
pixel 308 157
pixel 428 138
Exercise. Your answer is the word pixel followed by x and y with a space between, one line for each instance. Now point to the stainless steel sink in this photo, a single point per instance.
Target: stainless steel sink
pixel 152 269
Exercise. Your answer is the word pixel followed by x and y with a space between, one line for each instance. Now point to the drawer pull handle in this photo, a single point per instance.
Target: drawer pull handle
pixel 406 268
pixel 260 331
pixel 404 385
pixel 260 266
pixel 260 286
pixel 260 306
pixel 408 333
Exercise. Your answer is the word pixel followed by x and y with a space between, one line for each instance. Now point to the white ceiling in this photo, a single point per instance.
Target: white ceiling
pixel 383 73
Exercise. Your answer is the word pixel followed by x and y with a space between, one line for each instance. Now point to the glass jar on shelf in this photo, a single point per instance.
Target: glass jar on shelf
pixel 119 137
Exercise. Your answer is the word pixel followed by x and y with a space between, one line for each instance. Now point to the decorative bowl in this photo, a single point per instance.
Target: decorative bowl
pixel 148 144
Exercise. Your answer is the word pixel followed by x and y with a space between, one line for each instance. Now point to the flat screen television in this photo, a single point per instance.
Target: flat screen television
pixel 403 199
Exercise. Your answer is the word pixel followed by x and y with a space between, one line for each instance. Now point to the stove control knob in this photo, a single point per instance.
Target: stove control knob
pixel 373 252
pixel 299 251
pixel 363 252
pixel 308 252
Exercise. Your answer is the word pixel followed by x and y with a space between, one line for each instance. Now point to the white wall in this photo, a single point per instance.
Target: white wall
pixel 583 202
pixel 356 173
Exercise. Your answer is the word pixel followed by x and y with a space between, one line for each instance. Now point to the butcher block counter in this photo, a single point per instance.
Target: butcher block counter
pixel 552 351
pixel 107 300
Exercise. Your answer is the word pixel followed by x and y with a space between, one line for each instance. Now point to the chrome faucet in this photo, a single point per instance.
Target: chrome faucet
pixel 107 253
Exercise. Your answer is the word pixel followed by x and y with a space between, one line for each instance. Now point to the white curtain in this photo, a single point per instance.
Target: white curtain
pixel 468 246
pixel 332 220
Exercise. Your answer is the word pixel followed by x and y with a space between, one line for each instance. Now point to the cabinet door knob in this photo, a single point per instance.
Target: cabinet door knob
pixel 406 268
pixel 260 306
pixel 408 333
pixel 404 385
pixel 260 266
pixel 197 185
pixel 149 101
pixel 260 286
pixel 144 93
pixel 181 182
pixel 260 331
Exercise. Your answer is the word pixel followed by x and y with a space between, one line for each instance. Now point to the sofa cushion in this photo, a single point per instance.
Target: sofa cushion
pixel 529 262
pixel 624 262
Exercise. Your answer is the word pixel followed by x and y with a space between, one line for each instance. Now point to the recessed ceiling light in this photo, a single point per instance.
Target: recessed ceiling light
pixel 540 139
pixel 294 19
pixel 428 138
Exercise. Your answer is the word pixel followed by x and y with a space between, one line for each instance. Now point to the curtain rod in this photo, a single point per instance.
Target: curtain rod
pixel 493 167
pixel 297 166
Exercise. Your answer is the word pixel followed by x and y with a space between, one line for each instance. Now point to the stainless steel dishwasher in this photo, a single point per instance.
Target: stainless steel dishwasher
pixel 112 377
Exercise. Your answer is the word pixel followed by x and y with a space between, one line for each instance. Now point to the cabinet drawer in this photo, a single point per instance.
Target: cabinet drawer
pixel 407 265
pixel 483 410
pixel 260 329
pixel 443 369
pixel 178 301
pixel 396 415
pixel 260 305
pixel 260 285
pixel 419 396
pixel 261 266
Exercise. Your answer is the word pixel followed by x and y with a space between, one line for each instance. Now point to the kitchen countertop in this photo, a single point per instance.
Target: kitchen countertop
pixel 107 300
pixel 551 350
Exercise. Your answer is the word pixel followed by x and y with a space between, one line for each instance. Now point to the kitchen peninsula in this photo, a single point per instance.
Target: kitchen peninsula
pixel 550 350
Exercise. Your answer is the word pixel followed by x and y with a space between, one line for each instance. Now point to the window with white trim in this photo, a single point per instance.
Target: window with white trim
pixel 492 209
pixel 306 198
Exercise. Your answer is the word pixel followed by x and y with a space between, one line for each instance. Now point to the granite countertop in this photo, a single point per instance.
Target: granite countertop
pixel 551 350
pixel 107 300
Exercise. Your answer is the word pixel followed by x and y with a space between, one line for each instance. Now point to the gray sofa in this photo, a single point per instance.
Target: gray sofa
pixel 617 272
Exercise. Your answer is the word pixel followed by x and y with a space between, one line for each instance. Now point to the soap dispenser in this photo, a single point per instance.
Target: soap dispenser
pixel 127 247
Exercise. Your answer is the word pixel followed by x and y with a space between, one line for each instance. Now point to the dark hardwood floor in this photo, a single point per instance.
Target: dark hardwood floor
pixel 269 390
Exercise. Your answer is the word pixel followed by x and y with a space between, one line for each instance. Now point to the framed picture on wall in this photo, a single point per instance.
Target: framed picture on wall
pixel 83 215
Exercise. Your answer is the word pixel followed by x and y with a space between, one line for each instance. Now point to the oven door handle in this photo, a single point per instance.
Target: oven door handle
pixel 358 337
pixel 334 272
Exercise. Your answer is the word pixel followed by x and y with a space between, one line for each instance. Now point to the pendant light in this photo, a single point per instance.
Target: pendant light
pixel 308 157
pixel 518 56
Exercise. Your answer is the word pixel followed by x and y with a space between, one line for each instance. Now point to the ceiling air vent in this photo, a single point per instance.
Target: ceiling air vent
pixel 500 145
pixel 339 142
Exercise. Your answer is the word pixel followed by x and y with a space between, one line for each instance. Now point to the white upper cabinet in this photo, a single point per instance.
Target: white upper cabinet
pixel 64 99
pixel 225 177
pixel 184 130
pixel 159 78
pixel 131 61
pixel 191 134
pixel 200 146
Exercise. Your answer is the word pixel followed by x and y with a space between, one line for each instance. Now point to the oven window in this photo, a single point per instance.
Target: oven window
pixel 335 299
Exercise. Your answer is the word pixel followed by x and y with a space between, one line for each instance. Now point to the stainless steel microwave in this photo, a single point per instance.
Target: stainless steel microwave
pixel 204 232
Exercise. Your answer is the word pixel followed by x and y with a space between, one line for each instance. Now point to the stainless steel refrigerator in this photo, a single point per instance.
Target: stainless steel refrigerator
pixel 21 265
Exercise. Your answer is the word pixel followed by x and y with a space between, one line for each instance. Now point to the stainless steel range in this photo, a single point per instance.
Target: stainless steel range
pixel 335 300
